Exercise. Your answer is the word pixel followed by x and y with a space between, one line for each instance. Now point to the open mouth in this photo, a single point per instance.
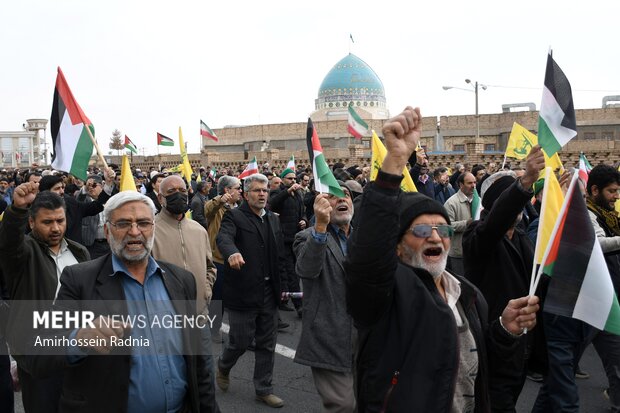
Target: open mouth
pixel 342 208
pixel 433 252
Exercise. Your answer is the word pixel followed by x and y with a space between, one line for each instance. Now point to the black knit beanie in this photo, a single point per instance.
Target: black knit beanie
pixel 495 190
pixel 414 204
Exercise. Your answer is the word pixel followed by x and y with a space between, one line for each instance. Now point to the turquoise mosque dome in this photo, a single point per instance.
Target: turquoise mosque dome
pixel 351 82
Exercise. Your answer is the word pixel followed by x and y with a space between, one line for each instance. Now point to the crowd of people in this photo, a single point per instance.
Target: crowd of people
pixel 409 301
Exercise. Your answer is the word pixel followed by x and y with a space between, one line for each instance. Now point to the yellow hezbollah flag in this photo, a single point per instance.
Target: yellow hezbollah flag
pixel 186 169
pixel 378 154
pixel 127 182
pixel 520 143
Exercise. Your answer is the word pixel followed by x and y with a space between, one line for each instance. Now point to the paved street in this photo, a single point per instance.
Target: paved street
pixel 294 384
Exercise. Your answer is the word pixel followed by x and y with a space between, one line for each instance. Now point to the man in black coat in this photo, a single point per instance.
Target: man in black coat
pixel 31 265
pixel 288 202
pixel 498 258
pixel 250 240
pixel 162 367
pixel 423 332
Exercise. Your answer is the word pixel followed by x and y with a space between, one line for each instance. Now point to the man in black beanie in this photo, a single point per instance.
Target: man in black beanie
pixel 423 332
pixel 498 257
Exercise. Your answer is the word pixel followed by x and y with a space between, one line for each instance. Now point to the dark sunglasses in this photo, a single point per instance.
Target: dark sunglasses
pixel 425 230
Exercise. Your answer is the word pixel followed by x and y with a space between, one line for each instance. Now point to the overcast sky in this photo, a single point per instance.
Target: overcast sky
pixel 151 66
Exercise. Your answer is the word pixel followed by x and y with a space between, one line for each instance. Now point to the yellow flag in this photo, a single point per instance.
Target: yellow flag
pixel 552 201
pixel 378 154
pixel 520 143
pixel 617 205
pixel 127 181
pixel 186 169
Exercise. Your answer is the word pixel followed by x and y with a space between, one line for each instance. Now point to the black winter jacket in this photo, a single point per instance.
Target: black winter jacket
pixel 407 358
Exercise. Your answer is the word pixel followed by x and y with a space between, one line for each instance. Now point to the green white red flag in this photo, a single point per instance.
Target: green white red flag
pixel 556 120
pixel 584 168
pixel 356 127
pixel 129 145
pixel 207 132
pixel 251 169
pixel 324 180
pixel 476 206
pixel 291 163
pixel 72 144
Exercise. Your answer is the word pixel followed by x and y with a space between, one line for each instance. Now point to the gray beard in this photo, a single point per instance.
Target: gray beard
pixel 416 259
pixel 118 249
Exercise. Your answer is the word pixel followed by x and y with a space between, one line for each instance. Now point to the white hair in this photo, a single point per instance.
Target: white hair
pixel 254 178
pixel 124 197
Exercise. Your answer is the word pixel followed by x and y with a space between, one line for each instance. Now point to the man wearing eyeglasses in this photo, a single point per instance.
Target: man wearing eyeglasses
pixel 423 332
pixel 250 240
pixel 167 373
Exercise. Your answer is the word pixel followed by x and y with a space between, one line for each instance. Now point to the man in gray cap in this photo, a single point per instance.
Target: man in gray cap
pixel 407 307
pixel 498 257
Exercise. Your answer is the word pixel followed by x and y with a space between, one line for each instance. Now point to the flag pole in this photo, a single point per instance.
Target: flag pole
pixel 538 241
pixel 92 138
pixel 504 163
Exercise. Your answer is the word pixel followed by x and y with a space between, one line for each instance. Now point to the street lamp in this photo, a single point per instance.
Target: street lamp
pixel 474 85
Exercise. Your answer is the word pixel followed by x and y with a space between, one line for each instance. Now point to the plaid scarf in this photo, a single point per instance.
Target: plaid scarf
pixel 606 217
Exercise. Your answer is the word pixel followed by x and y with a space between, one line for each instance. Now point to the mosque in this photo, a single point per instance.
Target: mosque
pixel 352 82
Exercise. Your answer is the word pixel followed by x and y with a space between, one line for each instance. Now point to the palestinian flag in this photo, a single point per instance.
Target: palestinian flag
pixel 71 141
pixel 129 145
pixel 324 180
pixel 291 163
pixel 357 127
pixel 251 169
pixel 580 285
pixel 164 140
pixel 584 168
pixel 476 206
pixel 207 132
pixel 556 119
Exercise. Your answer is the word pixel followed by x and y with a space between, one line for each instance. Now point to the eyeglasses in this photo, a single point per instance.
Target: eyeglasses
pixel 126 225
pixel 425 230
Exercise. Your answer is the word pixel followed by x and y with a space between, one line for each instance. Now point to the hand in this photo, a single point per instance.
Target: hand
pixel 322 211
pixel 520 314
pixel 302 224
pixel 24 194
pixel 293 188
pixel 402 134
pixel 565 181
pixel 225 198
pixel 534 163
pixel 420 157
pixel 109 175
pixel 102 332
pixel 236 261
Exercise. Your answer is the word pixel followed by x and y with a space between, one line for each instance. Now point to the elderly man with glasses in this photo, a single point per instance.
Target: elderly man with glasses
pixel 423 332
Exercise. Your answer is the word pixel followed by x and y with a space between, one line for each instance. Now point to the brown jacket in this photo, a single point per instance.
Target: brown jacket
pixel 185 243
pixel 214 211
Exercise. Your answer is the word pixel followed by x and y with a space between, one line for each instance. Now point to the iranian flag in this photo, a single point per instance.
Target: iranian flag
pixel 251 169
pixel 71 141
pixel 476 206
pixel 580 285
pixel 212 173
pixel 584 168
pixel 129 145
pixel 164 140
pixel 291 163
pixel 207 132
pixel 556 119
pixel 357 127
pixel 324 180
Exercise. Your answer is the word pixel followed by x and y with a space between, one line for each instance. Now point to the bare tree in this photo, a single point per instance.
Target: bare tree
pixel 116 142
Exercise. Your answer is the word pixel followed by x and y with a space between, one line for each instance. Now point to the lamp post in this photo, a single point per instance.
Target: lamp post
pixel 474 85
